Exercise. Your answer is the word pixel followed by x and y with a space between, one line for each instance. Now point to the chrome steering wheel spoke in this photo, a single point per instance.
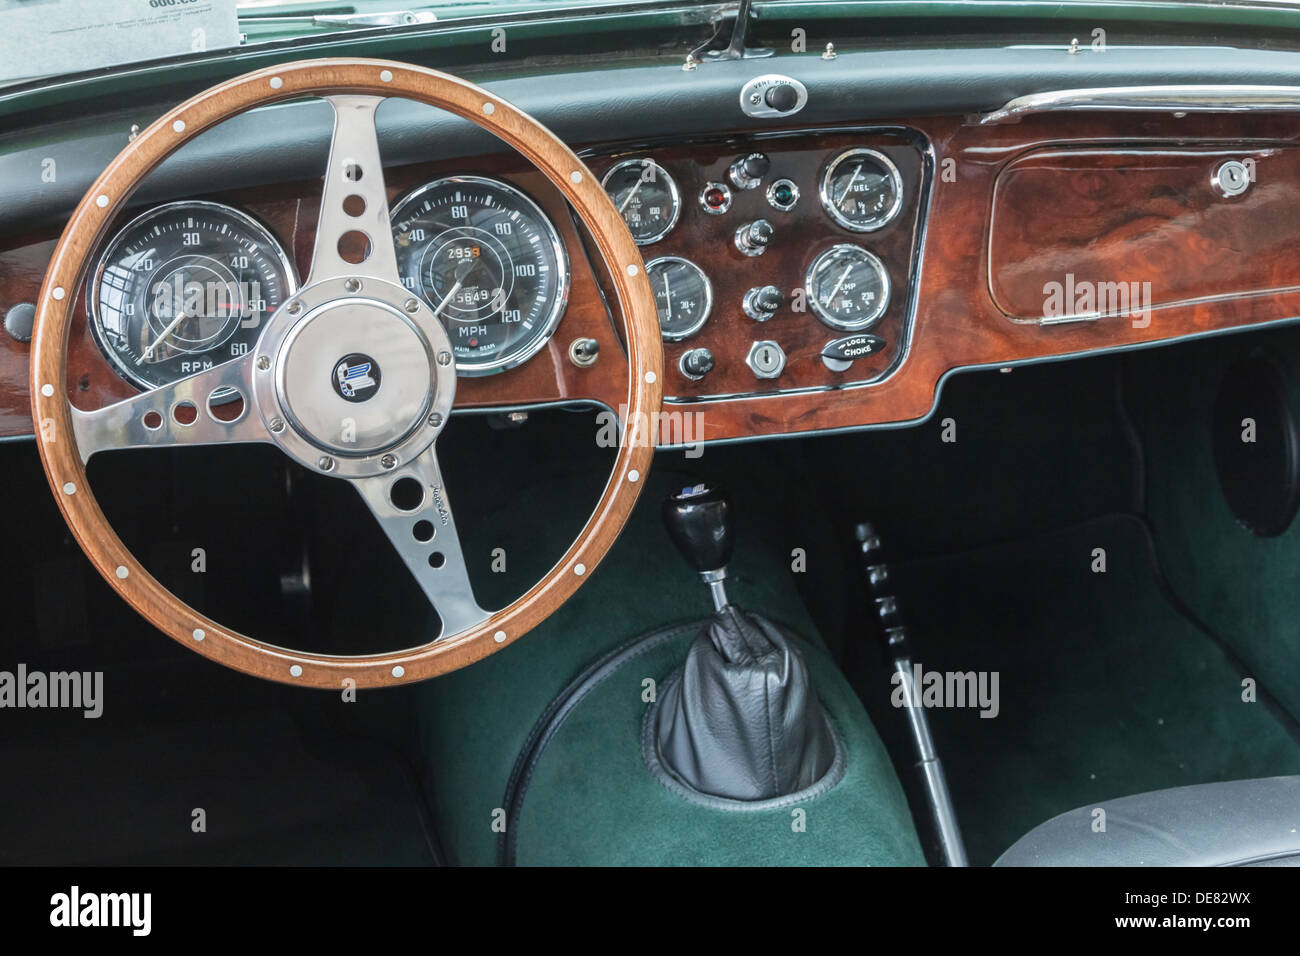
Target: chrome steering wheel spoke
pixel 354 202
pixel 412 506
pixel 177 414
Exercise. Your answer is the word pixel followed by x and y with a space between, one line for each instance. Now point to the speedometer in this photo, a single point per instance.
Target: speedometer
pixel 490 265
pixel 183 287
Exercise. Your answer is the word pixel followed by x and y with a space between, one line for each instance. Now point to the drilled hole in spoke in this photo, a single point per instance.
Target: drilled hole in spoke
pixel 354 205
pixel 406 494
pixel 423 531
pixel 152 421
pixel 437 559
pixel 352 172
pixel 226 404
pixel 354 247
pixel 186 413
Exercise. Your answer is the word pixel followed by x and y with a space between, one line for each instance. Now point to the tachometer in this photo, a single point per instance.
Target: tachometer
pixel 490 264
pixel 183 287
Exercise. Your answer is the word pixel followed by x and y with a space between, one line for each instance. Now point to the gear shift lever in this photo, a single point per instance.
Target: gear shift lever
pixel 742 721
pixel 698 519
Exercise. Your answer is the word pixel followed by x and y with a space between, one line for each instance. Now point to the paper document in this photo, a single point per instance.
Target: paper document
pixel 53 37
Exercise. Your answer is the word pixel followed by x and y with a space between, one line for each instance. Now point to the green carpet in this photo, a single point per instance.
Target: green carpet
pixel 1244 588
pixel 592 801
pixel 1104 689
pixel 475 721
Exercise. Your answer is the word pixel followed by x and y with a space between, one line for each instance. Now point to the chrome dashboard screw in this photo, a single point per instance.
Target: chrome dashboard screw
pixel 412 306
pixel 294 307
pixel 352 285
pixel 263 362
pixel 388 461
pixel 435 419
pixel 444 357
pixel 326 463
pixel 277 425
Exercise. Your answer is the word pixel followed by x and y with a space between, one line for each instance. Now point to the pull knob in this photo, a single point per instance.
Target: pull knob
pixel 753 238
pixel 782 97
pixel 748 171
pixel 761 302
pixel 696 363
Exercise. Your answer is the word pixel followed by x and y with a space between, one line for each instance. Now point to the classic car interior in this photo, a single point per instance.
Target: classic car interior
pixel 792 433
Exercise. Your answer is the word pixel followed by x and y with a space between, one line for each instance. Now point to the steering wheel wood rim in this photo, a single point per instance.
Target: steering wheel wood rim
pixel 52 411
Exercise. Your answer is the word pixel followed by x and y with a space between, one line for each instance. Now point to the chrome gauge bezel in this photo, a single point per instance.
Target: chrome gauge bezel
pixel 708 297
pixel 895 177
pixel 548 327
pixel 674 194
pixel 253 225
pixel 831 320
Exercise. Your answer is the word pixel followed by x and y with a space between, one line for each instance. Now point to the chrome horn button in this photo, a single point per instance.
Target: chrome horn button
pixel 355 376
pixel 357 368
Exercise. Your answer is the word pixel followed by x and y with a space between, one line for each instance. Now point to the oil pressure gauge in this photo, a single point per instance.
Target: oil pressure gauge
pixel 848 287
pixel 646 196
pixel 683 296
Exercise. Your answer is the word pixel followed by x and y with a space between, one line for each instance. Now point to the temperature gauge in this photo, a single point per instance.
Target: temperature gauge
pixel 848 287
pixel 683 295
pixel 646 196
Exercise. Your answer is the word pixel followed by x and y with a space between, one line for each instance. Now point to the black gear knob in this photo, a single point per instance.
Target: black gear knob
pixel 698 520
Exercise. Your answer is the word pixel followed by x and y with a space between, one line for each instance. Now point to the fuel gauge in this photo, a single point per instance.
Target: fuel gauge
pixel 862 190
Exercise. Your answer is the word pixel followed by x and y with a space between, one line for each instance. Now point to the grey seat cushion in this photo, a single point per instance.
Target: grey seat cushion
pixel 1236 823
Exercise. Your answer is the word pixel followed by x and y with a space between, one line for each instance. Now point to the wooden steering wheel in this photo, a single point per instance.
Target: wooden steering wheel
pixel 341 309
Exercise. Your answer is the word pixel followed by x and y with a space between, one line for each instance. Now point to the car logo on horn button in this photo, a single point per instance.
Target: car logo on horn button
pixel 355 377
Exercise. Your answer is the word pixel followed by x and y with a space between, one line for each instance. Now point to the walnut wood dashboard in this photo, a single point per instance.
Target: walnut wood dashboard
pixel 1009 244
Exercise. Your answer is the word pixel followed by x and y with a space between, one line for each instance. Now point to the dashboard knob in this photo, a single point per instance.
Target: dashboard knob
pixel 761 302
pixel 753 238
pixel 839 354
pixel 19 320
pixel 748 171
pixel 782 97
pixel 696 363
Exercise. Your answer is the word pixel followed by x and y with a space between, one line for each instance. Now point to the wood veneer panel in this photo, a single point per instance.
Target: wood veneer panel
pixel 958 323
pixel 800 236
pixel 1145 216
